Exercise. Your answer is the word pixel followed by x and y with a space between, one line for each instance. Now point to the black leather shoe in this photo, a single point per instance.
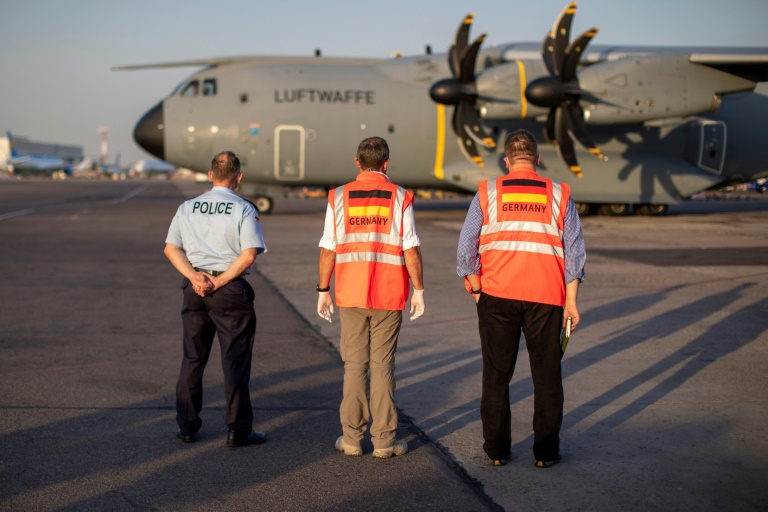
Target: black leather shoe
pixel 500 462
pixel 185 438
pixel 544 464
pixel 235 438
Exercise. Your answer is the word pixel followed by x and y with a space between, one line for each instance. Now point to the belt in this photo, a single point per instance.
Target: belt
pixel 214 273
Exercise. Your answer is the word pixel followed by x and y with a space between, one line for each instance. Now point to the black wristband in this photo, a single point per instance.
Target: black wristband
pixel 475 292
pixel 323 290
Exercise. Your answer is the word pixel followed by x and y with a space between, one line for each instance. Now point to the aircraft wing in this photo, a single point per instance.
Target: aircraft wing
pixel 750 63
pixel 751 66
pixel 252 59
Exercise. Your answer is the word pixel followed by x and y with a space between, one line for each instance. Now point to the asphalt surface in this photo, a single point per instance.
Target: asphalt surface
pixel 665 380
pixel 89 353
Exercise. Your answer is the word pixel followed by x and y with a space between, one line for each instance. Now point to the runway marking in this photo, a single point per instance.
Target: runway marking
pixel 17 213
pixel 129 195
pixel 60 207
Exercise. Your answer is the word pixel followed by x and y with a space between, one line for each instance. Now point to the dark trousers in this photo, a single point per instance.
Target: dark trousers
pixel 229 313
pixel 501 321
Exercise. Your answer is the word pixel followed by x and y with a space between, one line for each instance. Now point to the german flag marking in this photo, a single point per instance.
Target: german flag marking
pixel 368 211
pixel 366 203
pixel 523 191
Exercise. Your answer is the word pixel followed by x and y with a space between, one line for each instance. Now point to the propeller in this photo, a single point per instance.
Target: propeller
pixel 560 91
pixel 461 92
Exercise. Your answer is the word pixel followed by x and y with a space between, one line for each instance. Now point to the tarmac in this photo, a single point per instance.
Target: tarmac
pixel 665 380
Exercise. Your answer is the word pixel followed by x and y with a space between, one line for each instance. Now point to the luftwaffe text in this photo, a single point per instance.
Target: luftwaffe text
pixel 349 96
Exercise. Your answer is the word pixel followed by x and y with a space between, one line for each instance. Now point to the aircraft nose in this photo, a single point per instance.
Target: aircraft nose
pixel 149 132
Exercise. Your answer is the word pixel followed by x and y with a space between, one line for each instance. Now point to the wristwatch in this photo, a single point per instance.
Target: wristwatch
pixel 322 290
pixel 475 292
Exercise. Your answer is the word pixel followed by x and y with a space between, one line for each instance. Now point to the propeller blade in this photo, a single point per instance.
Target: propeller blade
pixel 560 35
pixel 470 151
pixel 548 54
pixel 467 74
pixel 456 121
pixel 574 119
pixel 472 127
pixel 462 126
pixel 461 90
pixel 549 130
pixel 460 44
pixel 573 54
pixel 454 61
pixel 565 144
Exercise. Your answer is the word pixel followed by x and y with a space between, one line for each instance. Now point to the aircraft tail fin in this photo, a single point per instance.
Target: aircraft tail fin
pixel 14 153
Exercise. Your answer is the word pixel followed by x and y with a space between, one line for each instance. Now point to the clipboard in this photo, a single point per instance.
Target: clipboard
pixel 565 335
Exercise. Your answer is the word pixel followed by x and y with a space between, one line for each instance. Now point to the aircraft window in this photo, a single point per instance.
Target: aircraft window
pixel 209 87
pixel 192 89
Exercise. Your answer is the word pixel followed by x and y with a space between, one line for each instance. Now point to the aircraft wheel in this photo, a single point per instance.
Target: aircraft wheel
pixel 614 209
pixel 583 209
pixel 654 210
pixel 263 203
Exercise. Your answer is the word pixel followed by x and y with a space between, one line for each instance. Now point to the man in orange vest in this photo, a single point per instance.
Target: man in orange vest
pixel 521 253
pixel 370 241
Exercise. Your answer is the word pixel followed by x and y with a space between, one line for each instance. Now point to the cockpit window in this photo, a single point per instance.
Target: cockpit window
pixel 209 87
pixel 192 89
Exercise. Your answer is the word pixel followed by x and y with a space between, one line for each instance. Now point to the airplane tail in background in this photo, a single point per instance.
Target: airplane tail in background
pixel 14 154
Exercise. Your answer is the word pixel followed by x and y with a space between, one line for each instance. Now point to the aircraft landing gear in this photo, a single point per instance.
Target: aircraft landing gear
pixel 263 203
pixel 614 209
pixel 654 210
pixel 584 209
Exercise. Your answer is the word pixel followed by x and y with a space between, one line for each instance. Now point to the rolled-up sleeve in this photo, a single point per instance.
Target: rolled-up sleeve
pixel 410 237
pixel 573 245
pixel 467 255
pixel 328 240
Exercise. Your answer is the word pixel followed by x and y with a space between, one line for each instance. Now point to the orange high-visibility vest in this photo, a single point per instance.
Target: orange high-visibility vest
pixel 521 241
pixel 370 266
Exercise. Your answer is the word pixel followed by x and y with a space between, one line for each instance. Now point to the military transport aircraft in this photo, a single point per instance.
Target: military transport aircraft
pixel 657 124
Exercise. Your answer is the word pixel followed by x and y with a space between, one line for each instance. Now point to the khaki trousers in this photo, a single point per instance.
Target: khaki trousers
pixel 368 343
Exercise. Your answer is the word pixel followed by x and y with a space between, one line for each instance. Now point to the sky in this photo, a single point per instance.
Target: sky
pixel 55 56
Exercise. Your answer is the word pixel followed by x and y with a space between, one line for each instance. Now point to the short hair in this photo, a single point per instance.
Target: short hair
pixel 520 145
pixel 372 153
pixel 225 166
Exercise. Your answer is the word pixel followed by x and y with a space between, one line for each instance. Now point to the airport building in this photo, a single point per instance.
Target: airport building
pixel 70 154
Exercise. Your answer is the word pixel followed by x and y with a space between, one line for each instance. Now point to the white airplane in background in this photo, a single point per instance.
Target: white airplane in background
pixel 146 168
pixel 114 169
pixel 34 164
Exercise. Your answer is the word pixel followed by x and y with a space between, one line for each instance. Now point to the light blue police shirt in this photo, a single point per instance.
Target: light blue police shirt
pixel 215 227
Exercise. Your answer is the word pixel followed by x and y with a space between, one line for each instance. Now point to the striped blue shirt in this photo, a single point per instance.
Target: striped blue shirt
pixel 468 258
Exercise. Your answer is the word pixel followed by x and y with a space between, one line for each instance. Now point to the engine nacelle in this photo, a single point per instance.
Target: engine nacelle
pixel 648 88
pixel 500 92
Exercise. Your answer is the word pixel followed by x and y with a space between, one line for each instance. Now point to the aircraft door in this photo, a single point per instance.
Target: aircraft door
pixel 711 145
pixel 289 152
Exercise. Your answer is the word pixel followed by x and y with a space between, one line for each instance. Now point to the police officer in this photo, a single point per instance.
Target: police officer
pixel 370 241
pixel 521 252
pixel 213 241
